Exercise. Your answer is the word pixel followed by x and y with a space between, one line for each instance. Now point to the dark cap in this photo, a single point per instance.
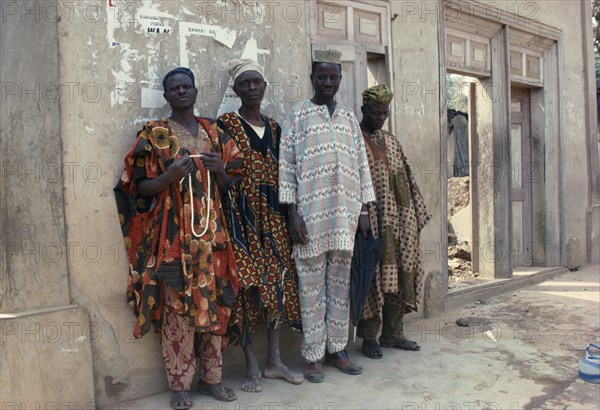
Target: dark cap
pixel 182 70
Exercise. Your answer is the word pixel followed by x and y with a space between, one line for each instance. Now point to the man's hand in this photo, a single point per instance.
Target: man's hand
pixel 180 168
pixel 363 225
pixel 212 161
pixel 298 233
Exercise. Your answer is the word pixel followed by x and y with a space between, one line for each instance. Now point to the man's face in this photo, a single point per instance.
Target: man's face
pixel 374 115
pixel 250 86
pixel 325 80
pixel 180 92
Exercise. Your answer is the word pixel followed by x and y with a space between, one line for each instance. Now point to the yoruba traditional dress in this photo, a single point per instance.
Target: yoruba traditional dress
pixel 258 226
pixel 323 169
pixel 182 278
pixel 398 218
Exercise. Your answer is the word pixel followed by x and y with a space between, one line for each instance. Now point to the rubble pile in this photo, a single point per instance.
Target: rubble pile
pixel 459 254
pixel 458 194
pixel 459 262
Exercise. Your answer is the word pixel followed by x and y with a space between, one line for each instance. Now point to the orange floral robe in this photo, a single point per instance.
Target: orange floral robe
pixel 157 230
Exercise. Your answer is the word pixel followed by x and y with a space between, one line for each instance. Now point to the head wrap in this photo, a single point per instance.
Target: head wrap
pixel 237 67
pixel 178 70
pixel 377 94
pixel 327 56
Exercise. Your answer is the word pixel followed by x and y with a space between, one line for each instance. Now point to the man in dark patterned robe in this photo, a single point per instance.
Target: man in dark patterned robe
pixel 398 218
pixel 267 274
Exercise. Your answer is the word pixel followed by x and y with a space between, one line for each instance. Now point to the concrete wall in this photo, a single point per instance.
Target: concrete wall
pixel 581 185
pixel 32 198
pixel 417 107
pixel 578 122
pixel 44 339
pixel 107 66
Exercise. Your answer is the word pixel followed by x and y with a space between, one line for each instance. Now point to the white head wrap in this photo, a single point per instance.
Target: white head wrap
pixel 238 67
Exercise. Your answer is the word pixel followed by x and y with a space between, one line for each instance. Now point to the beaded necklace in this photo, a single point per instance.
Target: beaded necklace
pixel 207 194
pixel 208 200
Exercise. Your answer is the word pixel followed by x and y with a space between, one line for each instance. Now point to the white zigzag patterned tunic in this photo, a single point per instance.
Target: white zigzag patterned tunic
pixel 323 169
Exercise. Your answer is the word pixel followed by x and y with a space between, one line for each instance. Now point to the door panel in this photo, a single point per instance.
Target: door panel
pixel 520 143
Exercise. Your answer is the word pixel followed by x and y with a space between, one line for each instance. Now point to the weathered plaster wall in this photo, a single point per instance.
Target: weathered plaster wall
pixel 115 67
pixel 579 119
pixel 46 360
pixel 576 133
pixel 416 101
pixel 43 338
pixel 34 268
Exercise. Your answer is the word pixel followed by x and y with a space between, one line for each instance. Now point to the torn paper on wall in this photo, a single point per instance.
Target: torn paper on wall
pixel 230 101
pixel 222 35
pixel 153 21
pixel 152 98
pixel 251 50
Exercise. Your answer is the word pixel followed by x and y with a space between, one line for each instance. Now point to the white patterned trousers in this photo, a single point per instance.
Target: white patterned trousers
pixel 324 290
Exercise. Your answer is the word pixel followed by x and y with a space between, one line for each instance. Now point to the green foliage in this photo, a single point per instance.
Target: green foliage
pixel 456 96
pixel 596 20
pixel 596 25
pixel 597 61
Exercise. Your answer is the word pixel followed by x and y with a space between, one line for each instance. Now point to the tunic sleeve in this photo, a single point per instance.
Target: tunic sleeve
pixel 288 183
pixel 366 184
pixel 421 212
pixel 231 156
pixel 140 163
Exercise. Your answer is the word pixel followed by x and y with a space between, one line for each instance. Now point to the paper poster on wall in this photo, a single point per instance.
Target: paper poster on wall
pixel 152 21
pixel 230 101
pixel 224 36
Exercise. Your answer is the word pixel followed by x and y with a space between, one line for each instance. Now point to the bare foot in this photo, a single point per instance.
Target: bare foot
pixel 252 382
pixel 281 371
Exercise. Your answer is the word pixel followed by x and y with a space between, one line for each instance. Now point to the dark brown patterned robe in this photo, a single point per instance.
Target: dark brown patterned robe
pixel 398 218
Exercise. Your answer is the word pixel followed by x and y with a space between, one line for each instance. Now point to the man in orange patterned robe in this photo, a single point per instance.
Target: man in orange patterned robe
pixel 183 276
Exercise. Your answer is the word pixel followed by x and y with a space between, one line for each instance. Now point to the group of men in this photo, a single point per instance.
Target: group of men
pixel 239 222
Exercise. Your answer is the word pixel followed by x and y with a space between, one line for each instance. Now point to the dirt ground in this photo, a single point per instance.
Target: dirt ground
pixel 519 350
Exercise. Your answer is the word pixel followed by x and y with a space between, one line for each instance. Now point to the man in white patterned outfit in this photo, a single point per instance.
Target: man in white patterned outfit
pixel 324 176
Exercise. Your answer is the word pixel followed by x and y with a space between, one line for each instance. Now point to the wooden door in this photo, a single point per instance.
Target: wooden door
pixel 521 177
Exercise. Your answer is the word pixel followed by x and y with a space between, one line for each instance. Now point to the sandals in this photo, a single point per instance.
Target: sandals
pixel 403 344
pixel 313 372
pixel 216 391
pixel 180 400
pixel 342 362
pixel 371 349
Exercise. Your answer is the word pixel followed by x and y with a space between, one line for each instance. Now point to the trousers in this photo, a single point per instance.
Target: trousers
pixel 393 316
pixel 324 292
pixel 178 338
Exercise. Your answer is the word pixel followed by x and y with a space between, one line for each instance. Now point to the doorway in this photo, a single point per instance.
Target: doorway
pixel 461 149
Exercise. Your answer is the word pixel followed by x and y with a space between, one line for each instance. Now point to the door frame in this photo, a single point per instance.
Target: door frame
pixel 493 129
